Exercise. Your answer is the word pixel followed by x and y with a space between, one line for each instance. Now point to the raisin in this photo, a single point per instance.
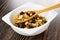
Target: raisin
pixel 28 14
pixel 31 27
pixel 33 21
pixel 18 24
pixel 40 17
pixel 45 21
pixel 33 13
pixel 23 25
pixel 22 13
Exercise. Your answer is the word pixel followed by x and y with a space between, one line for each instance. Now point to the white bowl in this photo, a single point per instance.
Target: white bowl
pixel 29 6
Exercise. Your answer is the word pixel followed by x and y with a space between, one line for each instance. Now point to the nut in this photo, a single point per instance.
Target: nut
pixel 20 17
pixel 26 23
pixel 33 24
pixel 30 14
pixel 39 20
pixel 26 16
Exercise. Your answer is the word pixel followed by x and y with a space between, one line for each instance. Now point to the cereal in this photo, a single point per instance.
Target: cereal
pixel 32 23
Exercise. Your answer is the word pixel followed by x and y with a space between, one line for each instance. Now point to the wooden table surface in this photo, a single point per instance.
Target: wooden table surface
pixel 6 33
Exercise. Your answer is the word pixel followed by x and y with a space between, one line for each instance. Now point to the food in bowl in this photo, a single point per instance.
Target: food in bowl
pixel 32 23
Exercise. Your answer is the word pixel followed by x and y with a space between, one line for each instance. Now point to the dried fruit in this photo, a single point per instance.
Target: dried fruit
pixel 23 25
pixel 22 13
pixel 31 26
pixel 32 23
pixel 33 13
pixel 28 14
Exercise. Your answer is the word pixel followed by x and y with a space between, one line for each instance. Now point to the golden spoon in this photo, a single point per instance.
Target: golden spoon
pixel 40 11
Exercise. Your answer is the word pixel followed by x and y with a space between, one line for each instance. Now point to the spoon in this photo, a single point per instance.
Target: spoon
pixel 40 11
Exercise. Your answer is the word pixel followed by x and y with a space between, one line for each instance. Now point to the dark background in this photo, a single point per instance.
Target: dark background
pixel 6 33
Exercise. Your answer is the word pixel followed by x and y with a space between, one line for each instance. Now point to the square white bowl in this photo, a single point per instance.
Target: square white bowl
pixel 29 6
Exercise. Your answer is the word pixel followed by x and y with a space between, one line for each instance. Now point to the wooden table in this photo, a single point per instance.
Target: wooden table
pixel 6 33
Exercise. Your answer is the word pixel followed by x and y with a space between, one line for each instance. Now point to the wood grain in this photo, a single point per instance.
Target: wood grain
pixel 6 33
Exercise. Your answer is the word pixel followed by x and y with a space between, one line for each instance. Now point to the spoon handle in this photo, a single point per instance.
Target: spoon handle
pixel 49 8
pixel 44 10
